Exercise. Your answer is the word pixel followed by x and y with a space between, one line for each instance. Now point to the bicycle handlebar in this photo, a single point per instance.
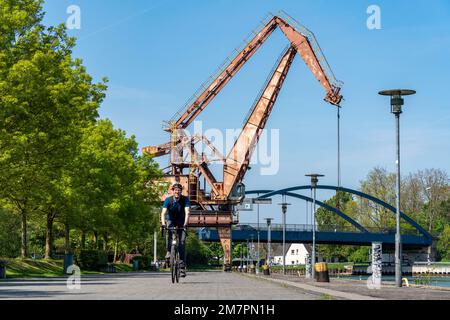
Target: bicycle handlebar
pixel 171 229
pixel 174 228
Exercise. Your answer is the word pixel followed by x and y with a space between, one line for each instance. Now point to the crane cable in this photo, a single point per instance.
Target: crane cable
pixel 338 202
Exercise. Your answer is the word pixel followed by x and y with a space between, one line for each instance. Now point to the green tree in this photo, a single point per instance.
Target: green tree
pixel 46 97
pixel 443 246
pixel 113 185
pixel 361 254
pixel 216 252
pixel 380 184
pixel 9 234
pixel 197 253
pixel 327 220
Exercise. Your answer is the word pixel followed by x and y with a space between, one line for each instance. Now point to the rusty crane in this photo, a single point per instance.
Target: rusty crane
pixel 216 207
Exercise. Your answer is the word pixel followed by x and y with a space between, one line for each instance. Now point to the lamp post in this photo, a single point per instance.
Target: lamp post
pixel 269 222
pixel 257 231
pixel 252 250
pixel 428 191
pixel 283 211
pixel 314 180
pixel 396 109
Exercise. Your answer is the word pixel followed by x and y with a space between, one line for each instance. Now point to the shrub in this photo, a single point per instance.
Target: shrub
pixel 102 259
pixel 92 260
pixel 145 263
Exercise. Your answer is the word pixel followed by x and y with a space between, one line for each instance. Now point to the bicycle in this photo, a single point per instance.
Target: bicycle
pixel 175 260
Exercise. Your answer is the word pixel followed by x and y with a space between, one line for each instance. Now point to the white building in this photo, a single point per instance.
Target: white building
pixel 296 254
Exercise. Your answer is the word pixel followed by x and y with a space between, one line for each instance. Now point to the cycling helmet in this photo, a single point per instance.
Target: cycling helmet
pixel 177 185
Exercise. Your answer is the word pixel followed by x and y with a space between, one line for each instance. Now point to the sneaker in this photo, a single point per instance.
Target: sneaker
pixel 182 269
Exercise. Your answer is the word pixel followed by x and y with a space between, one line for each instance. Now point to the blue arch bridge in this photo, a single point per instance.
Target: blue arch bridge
pixel 413 237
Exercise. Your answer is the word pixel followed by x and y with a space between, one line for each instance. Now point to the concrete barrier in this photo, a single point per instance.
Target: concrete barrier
pixel 433 268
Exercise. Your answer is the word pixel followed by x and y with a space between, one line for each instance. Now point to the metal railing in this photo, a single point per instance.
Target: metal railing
pixel 319 228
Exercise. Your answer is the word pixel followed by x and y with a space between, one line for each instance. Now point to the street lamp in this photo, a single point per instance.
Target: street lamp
pixel 257 231
pixel 396 109
pixel 314 180
pixel 252 250
pixel 269 222
pixel 284 210
pixel 428 191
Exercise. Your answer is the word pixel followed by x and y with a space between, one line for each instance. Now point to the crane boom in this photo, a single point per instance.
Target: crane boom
pixel 306 51
pixel 200 103
pixel 239 157
pixel 307 48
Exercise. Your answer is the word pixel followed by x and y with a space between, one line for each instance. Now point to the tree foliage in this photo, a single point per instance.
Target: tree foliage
pixel 424 197
pixel 61 167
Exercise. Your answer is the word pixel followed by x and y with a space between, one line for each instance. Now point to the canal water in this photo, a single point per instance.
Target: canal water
pixel 430 281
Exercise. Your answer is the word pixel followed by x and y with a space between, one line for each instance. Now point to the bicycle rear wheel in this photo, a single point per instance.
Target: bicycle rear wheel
pixel 173 264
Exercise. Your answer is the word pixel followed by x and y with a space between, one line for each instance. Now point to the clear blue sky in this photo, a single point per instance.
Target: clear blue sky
pixel 157 53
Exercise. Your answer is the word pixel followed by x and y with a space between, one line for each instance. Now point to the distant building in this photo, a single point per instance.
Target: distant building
pixel 296 254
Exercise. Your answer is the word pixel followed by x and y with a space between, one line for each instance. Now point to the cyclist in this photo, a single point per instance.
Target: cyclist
pixel 175 213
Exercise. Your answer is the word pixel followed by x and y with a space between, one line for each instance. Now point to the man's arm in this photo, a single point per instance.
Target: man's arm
pixel 164 212
pixel 187 211
pixel 163 216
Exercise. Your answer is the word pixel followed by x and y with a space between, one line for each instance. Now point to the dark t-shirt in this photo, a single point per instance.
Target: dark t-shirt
pixel 175 209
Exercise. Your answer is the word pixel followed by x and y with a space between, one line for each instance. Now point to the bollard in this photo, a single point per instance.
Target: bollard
pixel 2 272
pixel 266 270
pixel 68 261
pixel 322 274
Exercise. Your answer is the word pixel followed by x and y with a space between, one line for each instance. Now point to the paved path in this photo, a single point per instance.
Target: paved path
pixel 216 285
pixel 142 286
pixel 355 289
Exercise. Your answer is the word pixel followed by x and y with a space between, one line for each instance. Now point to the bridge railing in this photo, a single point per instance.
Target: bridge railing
pixel 322 228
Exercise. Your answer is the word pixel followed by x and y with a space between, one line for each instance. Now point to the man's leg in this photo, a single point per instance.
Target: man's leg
pixel 182 249
pixel 168 239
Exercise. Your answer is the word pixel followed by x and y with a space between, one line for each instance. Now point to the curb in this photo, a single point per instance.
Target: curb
pixel 340 294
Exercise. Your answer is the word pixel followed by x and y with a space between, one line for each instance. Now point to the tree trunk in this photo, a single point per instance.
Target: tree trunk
pixel 95 240
pixel 83 239
pixel 105 241
pixel 49 236
pixel 116 246
pixel 67 238
pixel 24 246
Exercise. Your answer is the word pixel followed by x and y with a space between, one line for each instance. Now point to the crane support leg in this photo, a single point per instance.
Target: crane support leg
pixel 225 240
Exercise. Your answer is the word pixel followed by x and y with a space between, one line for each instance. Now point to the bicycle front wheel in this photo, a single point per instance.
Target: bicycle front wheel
pixel 173 264
pixel 177 266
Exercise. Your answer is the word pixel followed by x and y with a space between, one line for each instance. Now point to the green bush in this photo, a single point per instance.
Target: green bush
pixel 102 259
pixel 92 260
pixel 197 253
pixel 146 262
